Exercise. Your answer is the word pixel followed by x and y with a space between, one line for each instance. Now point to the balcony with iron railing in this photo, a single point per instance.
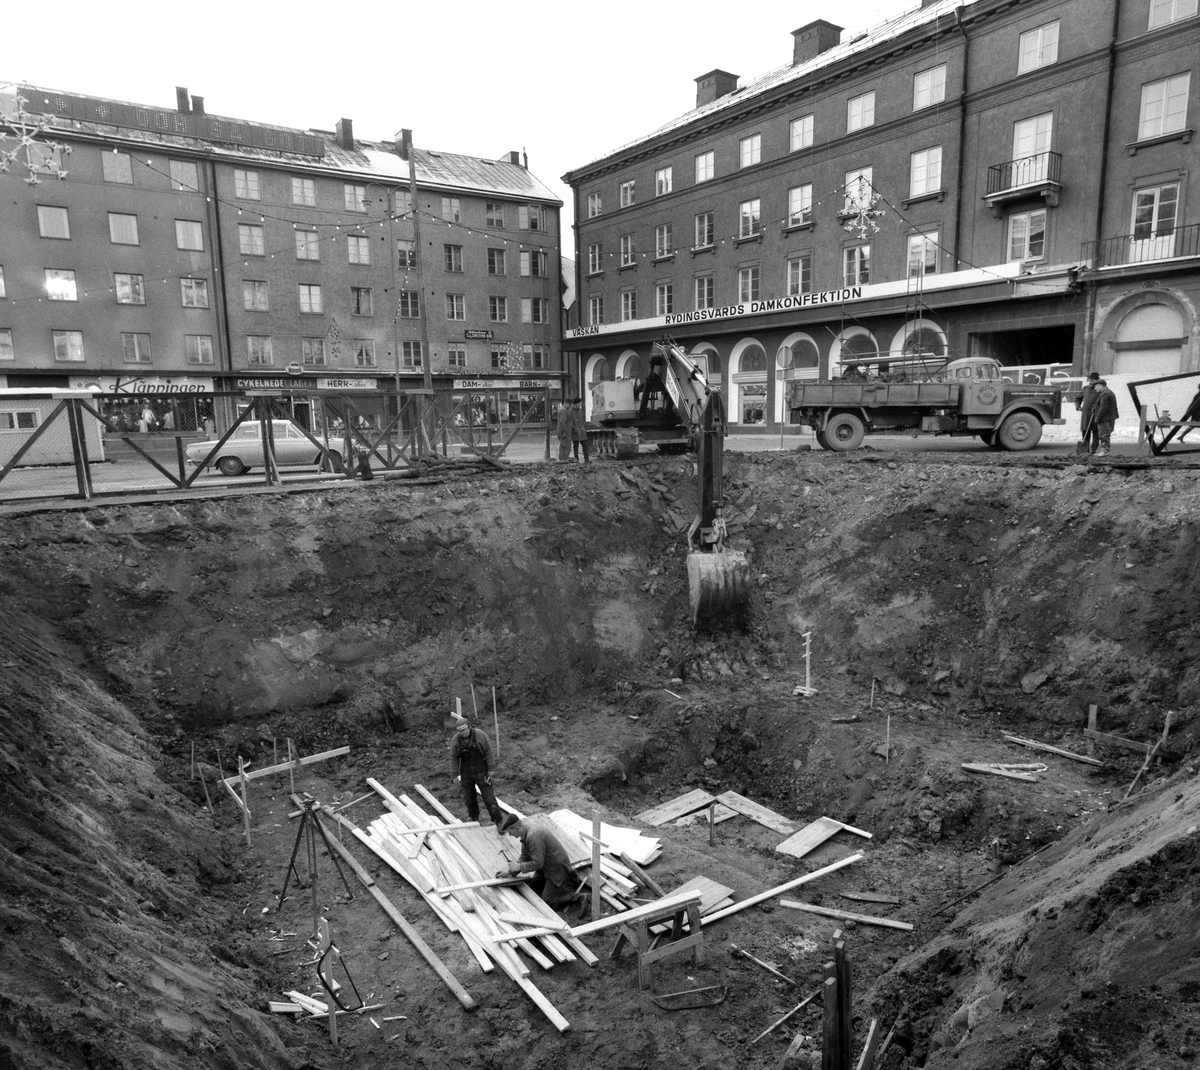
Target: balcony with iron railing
pixel 1039 175
pixel 1144 246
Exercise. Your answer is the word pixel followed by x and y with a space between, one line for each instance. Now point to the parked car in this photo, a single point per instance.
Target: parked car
pixel 243 450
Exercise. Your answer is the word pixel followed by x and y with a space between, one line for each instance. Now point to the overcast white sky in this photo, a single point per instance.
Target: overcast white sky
pixel 565 84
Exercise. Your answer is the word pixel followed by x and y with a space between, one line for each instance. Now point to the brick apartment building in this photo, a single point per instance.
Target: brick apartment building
pixel 1006 177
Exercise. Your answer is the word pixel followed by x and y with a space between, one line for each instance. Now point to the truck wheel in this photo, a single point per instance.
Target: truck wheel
pixel 988 438
pixel 844 431
pixel 1021 431
pixel 822 441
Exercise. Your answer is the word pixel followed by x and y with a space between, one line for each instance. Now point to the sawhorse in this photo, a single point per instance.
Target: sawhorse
pixel 637 934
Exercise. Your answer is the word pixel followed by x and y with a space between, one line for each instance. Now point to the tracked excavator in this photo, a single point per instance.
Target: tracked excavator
pixel 718 578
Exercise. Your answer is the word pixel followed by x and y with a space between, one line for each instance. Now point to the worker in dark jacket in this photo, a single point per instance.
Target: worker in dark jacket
pixel 1105 415
pixel 470 758
pixel 1087 409
pixel 579 429
pixel 543 855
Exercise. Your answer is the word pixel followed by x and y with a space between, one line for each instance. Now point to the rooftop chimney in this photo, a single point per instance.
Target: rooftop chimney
pixel 403 141
pixel 713 86
pixel 514 157
pixel 181 99
pixel 811 40
pixel 197 104
pixel 345 134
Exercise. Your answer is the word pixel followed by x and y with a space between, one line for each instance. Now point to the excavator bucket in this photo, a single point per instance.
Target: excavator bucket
pixel 718 588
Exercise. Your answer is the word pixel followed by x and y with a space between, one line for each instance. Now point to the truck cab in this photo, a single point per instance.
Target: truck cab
pixel 981 387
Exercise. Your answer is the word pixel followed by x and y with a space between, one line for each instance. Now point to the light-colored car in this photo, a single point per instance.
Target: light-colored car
pixel 243 450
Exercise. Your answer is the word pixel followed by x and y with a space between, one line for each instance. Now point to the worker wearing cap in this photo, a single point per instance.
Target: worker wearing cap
pixel 543 855
pixel 470 755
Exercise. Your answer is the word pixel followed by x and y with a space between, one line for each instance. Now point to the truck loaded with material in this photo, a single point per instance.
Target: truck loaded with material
pixel 968 397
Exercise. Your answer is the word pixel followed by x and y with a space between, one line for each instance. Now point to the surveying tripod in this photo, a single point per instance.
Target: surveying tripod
pixel 310 828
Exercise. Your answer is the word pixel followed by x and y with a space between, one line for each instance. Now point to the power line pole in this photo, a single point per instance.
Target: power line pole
pixel 426 418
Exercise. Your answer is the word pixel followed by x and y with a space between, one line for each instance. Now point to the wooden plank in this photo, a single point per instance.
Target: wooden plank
pixel 712 894
pixel 810 837
pixel 544 1005
pixel 500 938
pixel 458 825
pixel 1035 745
pixel 313 1006
pixel 278 1007
pixel 770 893
pixel 526 919
pixel 1089 742
pixel 775 1025
pixel 995 770
pixel 847 915
pixel 872 1041
pixel 720 813
pixel 648 910
pixel 869 897
pixel 1117 741
pixel 668 811
pixel 268 770
pixel 748 808
pixel 641 875
pixel 857 832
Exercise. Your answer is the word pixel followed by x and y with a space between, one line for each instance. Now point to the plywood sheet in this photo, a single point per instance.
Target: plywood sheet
pixel 748 808
pixel 810 837
pixel 668 811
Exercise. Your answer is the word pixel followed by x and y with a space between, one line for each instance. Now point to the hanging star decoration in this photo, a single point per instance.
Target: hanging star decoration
pixel 510 357
pixel 32 151
pixel 334 337
pixel 862 208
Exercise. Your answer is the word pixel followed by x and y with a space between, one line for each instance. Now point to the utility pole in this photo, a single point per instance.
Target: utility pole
pixel 426 439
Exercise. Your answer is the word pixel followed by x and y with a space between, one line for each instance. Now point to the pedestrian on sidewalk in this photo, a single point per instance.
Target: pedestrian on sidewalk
pixel 1088 434
pixel 1105 415
pixel 470 764
pixel 545 857
pixel 579 429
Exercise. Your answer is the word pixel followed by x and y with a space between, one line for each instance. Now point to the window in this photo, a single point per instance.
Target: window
pixel 53 222
pixel 534 354
pixel 456 306
pixel 595 311
pixel 1164 107
pixel 662 181
pixel 259 350
pixel 1155 212
pixel 68 345
pixel 250 240
pixel 408 305
pixel 3 291
pixel 922 254
pixel 1163 12
pixel 535 310
pixel 246 187
pixel 498 309
pixel 703 291
pixel 856 265
pixel 403 198
pixel 748 283
pixel 358 248
pixel 929 87
pixel 800 133
pixel 595 258
pixel 255 296
pixel 6 345
pixel 198 348
pixel 705 166
pixel 627 255
pixel 704 230
pixel 860 112
pixel 627 193
pixel 494 213
pixel 189 235
pixel 310 299
pixel 117 167
pixel 628 305
pixel 360 301
pixel 193 293
pixel 135 348
pixel 533 263
pixel 858 189
pixel 410 354
pixel 496 262
pixel 308 245
pixel 664 243
pixel 304 191
pixel 800 205
pixel 456 355
pixel 499 356
pixel 664 299
pixel 184 176
pixel 20 420
pixel 595 205
pixel 312 352
pixel 60 285
pixel 1027 235
pixel 925 171
pixel 531 217
pixel 364 353
pixel 1032 139
pixel 1037 47
pixel 122 228
pixel 750 150
pixel 749 218
pixel 354 197
pixel 799 274
pixel 131 289
pixel 454 257
pixel 406 254
pixel 452 209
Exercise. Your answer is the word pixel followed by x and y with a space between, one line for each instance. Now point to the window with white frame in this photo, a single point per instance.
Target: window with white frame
pixel 748 280
pixel 531 217
pixel 135 348
pixel 662 181
pixel 627 193
pixel 406 254
pixel 595 205
pixel 456 306
pixel 411 354
pixel 68 345
pixel 664 242
pixel 364 353
pixel 858 188
pixel 456 355
pixel 452 209
pixel 312 352
pixel 1027 235
pixel 184 176
pixel 1155 213
pixel 117 167
pixel 131 289
pixel 251 241
pixel 193 293
pixel 627 255
pixel 493 213
pixel 259 349
pixel 628 304
pixel 925 171
pixel 922 254
pixel 53 222
pixel 408 305
pixel 535 310
pixel 358 249
pixel 800 205
pixel 929 87
pixel 354 197
pixel 311 301
pixel 535 354
pixel 6 344
pixel 198 348
pixel 534 263
pixel 704 230
pixel 749 218
pixel 799 274
pixel 1163 12
pixel 453 255
pixel 496 262
pixel 1164 107
pixel 750 150
pixel 403 201
pixel 703 292
pixel 664 299
pixel 189 235
pixel 304 191
pixel 18 419
pixel 800 133
pixel 1037 47
pixel 60 285
pixel 856 265
pixel 595 258
pixel 361 303
pixel 499 356
pixel 246 187
pixel 706 167
pixel 860 112
pixel 255 296
pixel 595 310
pixel 308 245
pixel 498 309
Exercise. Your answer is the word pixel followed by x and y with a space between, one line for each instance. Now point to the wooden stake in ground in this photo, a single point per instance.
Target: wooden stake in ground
pixel 220 767
pixel 887 741
pixel 193 759
pixel 1090 743
pixel 275 755
pixel 1150 755
pixel 775 1025
pixel 291 769
pixel 496 721
pixel 245 800
pixel 596 875
pixel 207 797
pixel 712 824
pixel 871 704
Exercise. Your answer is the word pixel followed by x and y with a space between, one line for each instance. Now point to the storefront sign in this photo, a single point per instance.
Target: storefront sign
pixel 499 384
pixel 478 336
pixel 141 386
pixel 347 384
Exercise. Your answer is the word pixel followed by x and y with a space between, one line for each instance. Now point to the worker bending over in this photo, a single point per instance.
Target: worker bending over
pixel 541 854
